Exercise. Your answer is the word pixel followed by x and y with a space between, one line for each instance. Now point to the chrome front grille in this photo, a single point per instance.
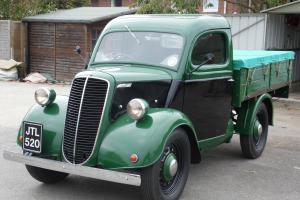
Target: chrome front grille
pixel 84 114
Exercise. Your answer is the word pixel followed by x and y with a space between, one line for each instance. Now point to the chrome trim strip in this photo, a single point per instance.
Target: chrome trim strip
pixel 78 117
pixel 208 79
pixel 91 172
pixel 100 123
pixel 63 137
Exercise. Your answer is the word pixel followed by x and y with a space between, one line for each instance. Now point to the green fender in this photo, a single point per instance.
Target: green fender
pixel 247 113
pixel 53 119
pixel 146 138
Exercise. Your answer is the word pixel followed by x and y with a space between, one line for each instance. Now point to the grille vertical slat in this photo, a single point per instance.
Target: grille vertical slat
pixel 84 113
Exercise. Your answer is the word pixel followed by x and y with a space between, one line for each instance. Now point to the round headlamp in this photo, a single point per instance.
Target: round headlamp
pixel 44 96
pixel 137 108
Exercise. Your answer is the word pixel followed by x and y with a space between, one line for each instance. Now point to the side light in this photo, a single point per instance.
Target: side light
pixel 134 158
pixel 44 96
pixel 21 138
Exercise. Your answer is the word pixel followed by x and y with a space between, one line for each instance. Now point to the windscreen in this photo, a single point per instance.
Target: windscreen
pixel 151 48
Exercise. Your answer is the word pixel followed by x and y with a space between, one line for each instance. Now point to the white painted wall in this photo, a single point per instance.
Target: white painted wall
pixel 248 31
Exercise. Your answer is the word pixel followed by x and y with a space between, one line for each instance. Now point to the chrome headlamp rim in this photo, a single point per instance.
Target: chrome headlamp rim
pixel 50 97
pixel 144 108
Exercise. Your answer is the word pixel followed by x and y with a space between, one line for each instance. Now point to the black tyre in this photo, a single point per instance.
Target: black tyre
pixel 253 144
pixel 45 175
pixel 154 184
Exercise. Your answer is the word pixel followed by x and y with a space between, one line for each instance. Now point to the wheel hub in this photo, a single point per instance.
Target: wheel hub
pixel 170 167
pixel 258 129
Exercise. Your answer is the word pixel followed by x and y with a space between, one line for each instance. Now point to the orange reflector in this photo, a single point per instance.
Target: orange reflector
pixel 134 158
pixel 21 138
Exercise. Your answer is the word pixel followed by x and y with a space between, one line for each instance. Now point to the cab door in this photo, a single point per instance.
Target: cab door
pixel 207 98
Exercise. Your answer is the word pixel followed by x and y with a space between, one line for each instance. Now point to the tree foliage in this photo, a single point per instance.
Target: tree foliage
pixel 167 6
pixel 257 5
pixel 191 6
pixel 17 9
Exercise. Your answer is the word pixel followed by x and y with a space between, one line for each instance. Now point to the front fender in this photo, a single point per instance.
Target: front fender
pixel 53 119
pixel 146 138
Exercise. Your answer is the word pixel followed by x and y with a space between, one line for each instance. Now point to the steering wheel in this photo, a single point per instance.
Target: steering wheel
pixel 117 56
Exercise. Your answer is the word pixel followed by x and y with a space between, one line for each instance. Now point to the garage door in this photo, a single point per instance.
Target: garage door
pixel 41 48
pixel 68 63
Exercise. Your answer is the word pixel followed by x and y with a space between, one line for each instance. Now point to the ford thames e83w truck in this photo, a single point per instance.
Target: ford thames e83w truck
pixel 157 91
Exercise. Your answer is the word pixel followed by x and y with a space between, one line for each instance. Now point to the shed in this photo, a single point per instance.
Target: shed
pixel 283 32
pixel 53 37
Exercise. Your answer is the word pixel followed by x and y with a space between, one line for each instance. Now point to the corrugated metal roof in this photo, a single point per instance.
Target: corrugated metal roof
pixel 289 8
pixel 84 15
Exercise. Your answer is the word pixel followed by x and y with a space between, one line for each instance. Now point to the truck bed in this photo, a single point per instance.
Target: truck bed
pixel 258 72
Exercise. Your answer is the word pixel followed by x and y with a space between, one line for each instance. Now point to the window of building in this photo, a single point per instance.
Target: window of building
pixel 95 35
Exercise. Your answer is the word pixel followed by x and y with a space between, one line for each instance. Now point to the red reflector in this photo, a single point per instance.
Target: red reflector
pixel 134 158
pixel 21 138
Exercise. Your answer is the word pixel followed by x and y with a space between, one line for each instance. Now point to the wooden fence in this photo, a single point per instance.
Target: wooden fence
pixel 13 40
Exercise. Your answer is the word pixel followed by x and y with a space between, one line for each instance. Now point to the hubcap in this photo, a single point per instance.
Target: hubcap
pixel 170 167
pixel 173 167
pixel 258 130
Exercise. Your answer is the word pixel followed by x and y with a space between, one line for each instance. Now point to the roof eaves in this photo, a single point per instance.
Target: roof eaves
pixel 98 19
pixel 79 21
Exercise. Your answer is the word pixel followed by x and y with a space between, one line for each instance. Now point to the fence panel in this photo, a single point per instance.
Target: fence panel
pixel 248 31
pixel 5 52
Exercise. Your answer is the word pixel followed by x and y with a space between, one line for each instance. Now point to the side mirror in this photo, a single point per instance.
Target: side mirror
pixel 77 49
pixel 210 57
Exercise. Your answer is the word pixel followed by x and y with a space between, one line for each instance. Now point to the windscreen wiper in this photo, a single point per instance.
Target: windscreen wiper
pixel 132 34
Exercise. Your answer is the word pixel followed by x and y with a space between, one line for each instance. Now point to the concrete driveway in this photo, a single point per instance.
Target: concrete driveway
pixel 223 174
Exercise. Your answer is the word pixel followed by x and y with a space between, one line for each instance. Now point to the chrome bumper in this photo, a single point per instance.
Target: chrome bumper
pixel 102 174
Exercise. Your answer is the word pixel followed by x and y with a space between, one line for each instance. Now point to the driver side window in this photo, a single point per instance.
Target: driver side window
pixel 213 44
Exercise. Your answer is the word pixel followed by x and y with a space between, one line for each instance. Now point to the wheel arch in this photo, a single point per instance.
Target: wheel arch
pixel 195 153
pixel 247 112
pixel 269 105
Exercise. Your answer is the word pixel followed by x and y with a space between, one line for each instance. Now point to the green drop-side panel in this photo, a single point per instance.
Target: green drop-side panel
pixel 280 73
pixel 259 72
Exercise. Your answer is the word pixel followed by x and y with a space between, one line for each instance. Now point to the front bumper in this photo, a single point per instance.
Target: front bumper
pixel 91 172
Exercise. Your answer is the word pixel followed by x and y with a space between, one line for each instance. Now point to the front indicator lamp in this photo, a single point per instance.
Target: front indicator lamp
pixel 137 108
pixel 44 96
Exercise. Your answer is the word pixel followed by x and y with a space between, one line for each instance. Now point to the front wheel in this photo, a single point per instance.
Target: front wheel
pixel 165 180
pixel 45 175
pixel 254 143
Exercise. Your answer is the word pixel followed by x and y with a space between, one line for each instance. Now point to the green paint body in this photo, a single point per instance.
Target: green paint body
pixel 121 138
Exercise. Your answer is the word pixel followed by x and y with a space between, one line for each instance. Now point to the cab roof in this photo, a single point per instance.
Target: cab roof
pixel 187 25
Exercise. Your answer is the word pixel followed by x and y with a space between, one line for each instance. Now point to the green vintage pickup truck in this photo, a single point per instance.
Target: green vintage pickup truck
pixel 158 90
